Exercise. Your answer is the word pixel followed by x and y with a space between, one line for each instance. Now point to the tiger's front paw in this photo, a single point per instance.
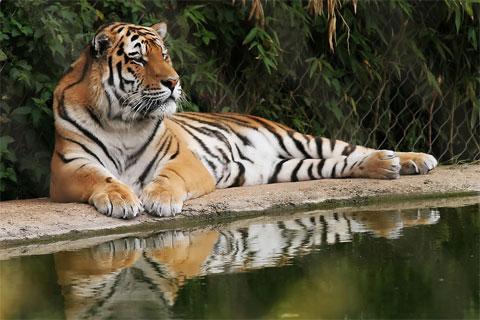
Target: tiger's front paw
pixel 161 201
pixel 116 200
pixel 381 164
pixel 416 163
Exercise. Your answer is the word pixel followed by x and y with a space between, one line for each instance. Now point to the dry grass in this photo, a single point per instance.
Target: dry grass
pixel 314 7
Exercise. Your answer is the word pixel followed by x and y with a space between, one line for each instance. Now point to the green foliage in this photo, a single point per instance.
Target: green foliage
pixel 404 74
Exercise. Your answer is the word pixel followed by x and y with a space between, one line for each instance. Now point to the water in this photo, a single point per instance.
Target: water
pixel 397 264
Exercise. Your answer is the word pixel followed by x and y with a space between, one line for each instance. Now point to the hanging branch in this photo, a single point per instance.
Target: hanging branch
pixel 256 11
pixel 314 7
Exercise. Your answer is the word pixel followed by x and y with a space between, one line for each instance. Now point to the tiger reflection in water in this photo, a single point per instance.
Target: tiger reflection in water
pixel 148 273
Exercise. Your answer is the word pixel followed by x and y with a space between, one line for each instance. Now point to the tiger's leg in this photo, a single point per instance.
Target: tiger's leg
pixel 77 179
pixel 382 164
pixel 323 148
pixel 182 178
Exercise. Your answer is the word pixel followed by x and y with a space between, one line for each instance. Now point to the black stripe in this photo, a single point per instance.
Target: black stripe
pixel 271 129
pixel 278 167
pixel 324 224
pixel 212 166
pixel 220 135
pixel 349 224
pixel 344 166
pixel 310 172
pixel 150 164
pixel 240 178
pixel 119 71
pixel 244 237
pixel 85 69
pixel 173 156
pixel 333 170
pixel 169 144
pixel 208 132
pixel 348 149
pixel 113 28
pixel 110 71
pixel 84 149
pixel 94 117
pixel 228 176
pixel 298 144
pixel 204 131
pixel 361 162
pixel 244 139
pixel 109 100
pixel 242 156
pixel 225 158
pixel 198 140
pixel 65 160
pixel 300 224
pixel 104 26
pixel 332 143
pixel 219 126
pixel 64 115
pixel 229 117
pixel 294 176
pixel 353 164
pixel 133 157
pixel 279 125
pixel 320 167
pixel 319 142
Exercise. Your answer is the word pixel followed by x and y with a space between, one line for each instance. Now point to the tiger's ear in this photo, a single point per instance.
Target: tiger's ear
pixel 100 44
pixel 161 29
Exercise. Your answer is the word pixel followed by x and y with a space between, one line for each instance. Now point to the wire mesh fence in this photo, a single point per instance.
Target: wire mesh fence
pixel 405 102
pixel 399 114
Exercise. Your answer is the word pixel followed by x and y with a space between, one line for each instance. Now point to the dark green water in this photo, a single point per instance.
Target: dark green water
pixel 396 264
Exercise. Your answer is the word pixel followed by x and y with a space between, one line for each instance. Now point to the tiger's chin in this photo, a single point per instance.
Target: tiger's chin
pixel 158 110
pixel 166 109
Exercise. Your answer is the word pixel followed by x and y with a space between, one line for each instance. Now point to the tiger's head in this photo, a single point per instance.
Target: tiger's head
pixel 137 77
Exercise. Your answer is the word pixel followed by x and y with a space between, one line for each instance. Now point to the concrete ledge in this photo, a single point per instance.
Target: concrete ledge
pixel 39 221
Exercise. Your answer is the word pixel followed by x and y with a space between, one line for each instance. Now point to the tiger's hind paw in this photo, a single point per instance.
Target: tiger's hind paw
pixel 381 164
pixel 416 163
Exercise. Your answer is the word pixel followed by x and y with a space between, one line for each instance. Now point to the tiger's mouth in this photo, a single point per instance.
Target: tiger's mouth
pixel 152 108
pixel 147 104
pixel 161 105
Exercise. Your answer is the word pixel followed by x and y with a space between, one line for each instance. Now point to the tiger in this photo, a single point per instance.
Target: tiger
pixel 102 281
pixel 121 146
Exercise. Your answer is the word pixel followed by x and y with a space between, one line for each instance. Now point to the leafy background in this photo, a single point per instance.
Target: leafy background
pixel 395 74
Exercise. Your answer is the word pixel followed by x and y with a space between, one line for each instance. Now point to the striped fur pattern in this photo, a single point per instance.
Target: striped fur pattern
pixel 101 282
pixel 121 147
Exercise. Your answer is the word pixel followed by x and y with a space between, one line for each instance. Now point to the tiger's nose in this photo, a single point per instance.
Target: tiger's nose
pixel 170 83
